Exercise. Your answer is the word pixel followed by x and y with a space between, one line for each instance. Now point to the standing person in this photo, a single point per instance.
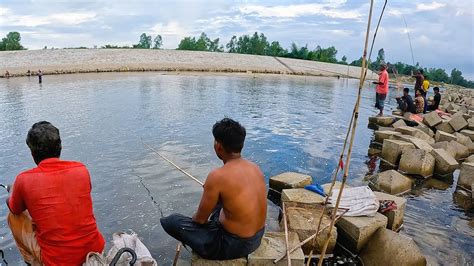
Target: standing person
pixel 405 103
pixel 7 74
pixel 437 99
pixel 230 220
pixel 51 215
pixel 40 76
pixel 381 90
pixel 419 79
pixel 419 102
pixel 426 87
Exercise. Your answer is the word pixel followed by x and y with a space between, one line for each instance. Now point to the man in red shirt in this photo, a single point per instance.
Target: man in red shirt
pixel 51 214
pixel 382 89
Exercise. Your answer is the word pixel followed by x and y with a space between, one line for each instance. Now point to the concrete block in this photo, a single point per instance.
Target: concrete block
pixel 421 144
pixel 432 119
pixel 417 162
pixel 355 232
pixel 337 185
pixel 399 123
pixel 469 159
pixel 444 162
pixel 445 146
pixel 272 247
pixel 415 133
pixel 301 195
pixel 462 151
pixel 389 248
pixel 304 222
pixel 384 121
pixel 381 135
pixel 469 133
pixel 426 129
pixel 443 136
pixel 289 180
pixel 457 122
pixel 466 176
pixel 391 182
pixel 395 217
pixel 470 125
pixel 196 260
pixel 392 150
pixel 463 139
pixel 406 138
pixel 445 126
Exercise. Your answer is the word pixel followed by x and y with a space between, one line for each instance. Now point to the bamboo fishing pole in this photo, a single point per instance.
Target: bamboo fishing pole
pixel 286 234
pixel 351 143
pixel 173 164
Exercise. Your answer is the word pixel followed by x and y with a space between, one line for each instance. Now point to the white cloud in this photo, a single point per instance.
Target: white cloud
pixel 72 18
pixel 431 6
pixel 293 11
pixel 172 33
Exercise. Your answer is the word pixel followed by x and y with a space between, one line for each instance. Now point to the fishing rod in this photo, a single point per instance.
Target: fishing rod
pixel 7 187
pixel 409 39
pixel 173 164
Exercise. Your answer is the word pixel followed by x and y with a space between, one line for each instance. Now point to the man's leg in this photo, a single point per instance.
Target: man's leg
pixel 24 235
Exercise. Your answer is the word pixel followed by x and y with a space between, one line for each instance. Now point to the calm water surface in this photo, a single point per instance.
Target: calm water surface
pixel 293 124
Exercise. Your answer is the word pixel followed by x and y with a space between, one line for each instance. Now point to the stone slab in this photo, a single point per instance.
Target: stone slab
pixel 196 260
pixel 381 135
pixel 289 180
pixel 445 163
pixel 432 119
pixel 301 195
pixel 458 122
pixel 399 123
pixel 417 162
pixel 443 136
pixel 384 121
pixel 445 126
pixel 389 248
pixel 273 245
pixel 421 144
pixel 392 150
pixel 355 232
pixel 466 176
pixel 395 217
pixel 391 182
pixel 469 159
pixel 445 146
pixel 469 133
pixel 462 151
pixel 415 132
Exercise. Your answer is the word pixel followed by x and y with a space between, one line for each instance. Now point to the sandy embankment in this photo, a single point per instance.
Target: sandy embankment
pixel 65 61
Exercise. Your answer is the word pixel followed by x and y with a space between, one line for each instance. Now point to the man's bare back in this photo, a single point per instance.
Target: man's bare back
pixel 239 186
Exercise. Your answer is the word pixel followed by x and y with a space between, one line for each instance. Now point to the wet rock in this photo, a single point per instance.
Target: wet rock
pixel 395 217
pixel 417 162
pixel 415 133
pixel 432 119
pixel 466 176
pixel 273 246
pixel 399 123
pixel 392 150
pixel 391 182
pixel 289 180
pixel 374 152
pixel 406 138
pixel 421 144
pixel 445 126
pixel 384 121
pixel 444 162
pixel 381 135
pixel 457 122
pixel 355 232
pixel 468 133
pixel 443 136
pixel 389 248
pixel 304 222
pixel 463 199
pixel 462 151
pixel 301 195
pixel 196 260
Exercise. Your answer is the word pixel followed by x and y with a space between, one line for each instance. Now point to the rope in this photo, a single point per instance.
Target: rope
pixel 354 126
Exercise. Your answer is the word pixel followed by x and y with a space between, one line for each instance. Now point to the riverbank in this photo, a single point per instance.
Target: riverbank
pixel 69 61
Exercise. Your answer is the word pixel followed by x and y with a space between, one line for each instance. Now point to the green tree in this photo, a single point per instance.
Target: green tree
pixel 357 62
pixel 157 42
pixel 324 54
pixel 232 45
pixel 11 42
pixel 298 52
pixel 203 43
pixel 275 49
pixel 380 60
pixel 437 74
pixel 457 78
pixel 144 43
pixel 343 60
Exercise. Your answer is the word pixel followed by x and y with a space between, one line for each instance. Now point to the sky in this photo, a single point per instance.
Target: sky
pixel 441 31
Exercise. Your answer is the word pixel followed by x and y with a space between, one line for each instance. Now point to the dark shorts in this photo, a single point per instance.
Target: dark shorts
pixel 380 100
pixel 210 241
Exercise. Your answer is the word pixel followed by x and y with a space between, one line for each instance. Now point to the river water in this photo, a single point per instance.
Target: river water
pixel 293 124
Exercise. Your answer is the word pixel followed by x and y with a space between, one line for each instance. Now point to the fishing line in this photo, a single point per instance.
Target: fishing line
pixel 409 40
pixel 150 195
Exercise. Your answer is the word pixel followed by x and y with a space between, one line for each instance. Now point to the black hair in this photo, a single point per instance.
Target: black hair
pixel 436 89
pixel 407 90
pixel 230 134
pixel 44 141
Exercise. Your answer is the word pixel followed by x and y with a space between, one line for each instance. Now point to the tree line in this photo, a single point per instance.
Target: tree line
pixel 258 44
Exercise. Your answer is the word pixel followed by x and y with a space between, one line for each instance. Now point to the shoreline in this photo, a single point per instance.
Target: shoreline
pixel 73 61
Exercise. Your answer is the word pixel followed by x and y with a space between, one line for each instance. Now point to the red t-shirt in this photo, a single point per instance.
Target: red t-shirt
pixel 57 194
pixel 383 77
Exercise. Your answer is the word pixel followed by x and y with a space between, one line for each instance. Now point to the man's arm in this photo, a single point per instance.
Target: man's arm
pixel 209 199
pixel 15 201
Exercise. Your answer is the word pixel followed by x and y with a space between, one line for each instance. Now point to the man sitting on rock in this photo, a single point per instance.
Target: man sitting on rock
pixel 436 101
pixel 230 220
pixel 405 103
pixel 51 214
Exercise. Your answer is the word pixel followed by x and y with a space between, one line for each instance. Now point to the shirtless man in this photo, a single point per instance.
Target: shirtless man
pixel 230 220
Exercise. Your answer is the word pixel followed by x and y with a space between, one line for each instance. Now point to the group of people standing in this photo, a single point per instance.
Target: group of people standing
pixel 406 103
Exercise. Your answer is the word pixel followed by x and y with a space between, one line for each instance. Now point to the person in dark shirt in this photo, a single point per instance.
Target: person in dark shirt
pixel 419 79
pixel 437 99
pixel 405 103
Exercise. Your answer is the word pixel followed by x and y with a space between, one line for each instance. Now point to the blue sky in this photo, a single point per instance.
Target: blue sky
pixel 442 31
